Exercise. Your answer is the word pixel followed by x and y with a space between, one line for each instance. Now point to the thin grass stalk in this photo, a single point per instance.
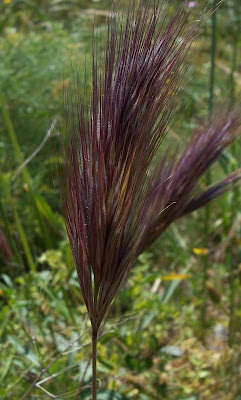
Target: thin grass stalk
pixel 231 256
pixel 24 240
pixel 208 176
pixel 19 157
pixel 232 296
pixel 94 371
pixel 236 35
pixel 213 56
pixel 16 254
pixel 12 136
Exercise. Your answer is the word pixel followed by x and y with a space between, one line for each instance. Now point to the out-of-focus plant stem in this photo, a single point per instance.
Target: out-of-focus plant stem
pixel 231 256
pixel 16 255
pixel 19 157
pixel 24 240
pixel 13 137
pixel 213 56
pixel 208 177
pixel 22 236
pixel 236 35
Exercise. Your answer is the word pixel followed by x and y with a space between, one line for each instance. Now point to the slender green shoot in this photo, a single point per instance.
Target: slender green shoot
pixel 20 159
pixel 208 176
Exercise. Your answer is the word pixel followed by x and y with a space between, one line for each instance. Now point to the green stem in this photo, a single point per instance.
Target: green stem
pixel 11 241
pixel 232 296
pixel 233 69
pixel 231 256
pixel 20 159
pixel 21 233
pixel 13 138
pixel 237 22
pixel 213 56
pixel 24 241
pixel 209 177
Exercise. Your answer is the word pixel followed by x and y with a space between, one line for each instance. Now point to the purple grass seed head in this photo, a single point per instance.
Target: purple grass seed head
pixel 116 202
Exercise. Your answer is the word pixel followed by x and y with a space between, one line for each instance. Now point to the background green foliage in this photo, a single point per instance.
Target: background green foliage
pixel 155 345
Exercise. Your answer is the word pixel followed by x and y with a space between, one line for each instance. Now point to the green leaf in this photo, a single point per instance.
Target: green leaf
pixel 170 291
pixel 148 317
pixel 54 219
pixel 7 366
pixel 7 280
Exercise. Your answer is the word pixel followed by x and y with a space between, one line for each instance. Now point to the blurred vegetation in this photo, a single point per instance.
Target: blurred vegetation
pixel 154 345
